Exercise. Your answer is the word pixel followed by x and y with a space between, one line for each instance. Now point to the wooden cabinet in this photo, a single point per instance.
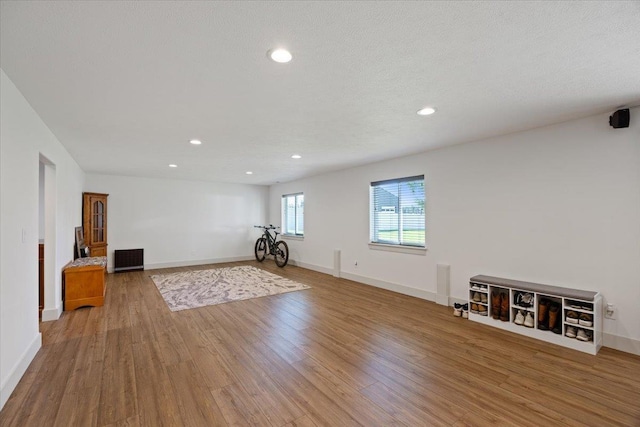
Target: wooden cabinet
pixel 94 222
pixel 84 283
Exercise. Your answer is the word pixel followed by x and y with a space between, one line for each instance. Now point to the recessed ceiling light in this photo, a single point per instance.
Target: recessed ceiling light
pixel 195 141
pixel 280 55
pixel 173 166
pixel 426 111
pixel 296 156
pixel 249 173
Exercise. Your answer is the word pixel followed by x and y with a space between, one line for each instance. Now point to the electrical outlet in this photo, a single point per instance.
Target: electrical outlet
pixel 610 312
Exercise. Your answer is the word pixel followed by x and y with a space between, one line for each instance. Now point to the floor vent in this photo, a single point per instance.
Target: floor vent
pixel 128 260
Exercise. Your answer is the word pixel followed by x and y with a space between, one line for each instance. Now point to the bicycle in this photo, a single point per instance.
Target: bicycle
pixel 267 245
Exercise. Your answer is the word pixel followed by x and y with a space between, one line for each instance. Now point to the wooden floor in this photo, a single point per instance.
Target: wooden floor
pixel 339 354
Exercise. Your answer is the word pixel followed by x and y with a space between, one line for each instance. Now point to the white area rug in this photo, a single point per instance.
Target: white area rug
pixel 191 289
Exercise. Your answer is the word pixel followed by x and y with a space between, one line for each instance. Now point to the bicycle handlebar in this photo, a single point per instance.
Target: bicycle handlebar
pixel 266 227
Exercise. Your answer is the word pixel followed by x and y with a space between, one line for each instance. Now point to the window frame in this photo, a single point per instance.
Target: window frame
pixel 380 244
pixel 284 211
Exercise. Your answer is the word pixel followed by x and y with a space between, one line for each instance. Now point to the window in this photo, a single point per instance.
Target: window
pixel 397 212
pixel 293 214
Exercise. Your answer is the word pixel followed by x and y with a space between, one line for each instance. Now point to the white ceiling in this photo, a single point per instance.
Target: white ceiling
pixel 125 85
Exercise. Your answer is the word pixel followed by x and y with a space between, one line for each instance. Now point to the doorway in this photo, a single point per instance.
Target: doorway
pixel 47 237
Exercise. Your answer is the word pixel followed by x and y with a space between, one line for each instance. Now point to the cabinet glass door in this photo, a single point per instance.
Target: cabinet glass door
pixel 97 222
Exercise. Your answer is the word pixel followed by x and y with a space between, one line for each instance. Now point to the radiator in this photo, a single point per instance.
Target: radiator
pixel 128 260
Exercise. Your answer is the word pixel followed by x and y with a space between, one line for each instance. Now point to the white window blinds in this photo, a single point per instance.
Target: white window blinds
pixel 293 214
pixel 397 212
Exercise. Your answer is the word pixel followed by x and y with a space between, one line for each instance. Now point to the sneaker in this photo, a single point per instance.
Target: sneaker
pixel 475 287
pixel 584 335
pixel 476 297
pixel 519 320
pixel 482 310
pixel 528 320
pixel 483 298
pixel 474 308
pixel 571 332
pixel 572 317
pixel 457 309
pixel 465 311
pixel 527 299
pixel 585 319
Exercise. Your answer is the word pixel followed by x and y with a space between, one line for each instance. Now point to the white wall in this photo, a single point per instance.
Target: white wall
pixel 23 138
pixel 558 205
pixel 181 222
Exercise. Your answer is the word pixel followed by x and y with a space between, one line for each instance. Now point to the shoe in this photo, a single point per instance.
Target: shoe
pixel 572 317
pixel 585 319
pixel 475 287
pixel 476 297
pixel 504 307
pixel 457 309
pixel 482 310
pixel 528 320
pixel 495 305
pixel 523 299
pixel 526 300
pixel 483 298
pixel 554 318
pixel 584 335
pixel 571 332
pixel 465 311
pixel 519 320
pixel 474 308
pixel 543 309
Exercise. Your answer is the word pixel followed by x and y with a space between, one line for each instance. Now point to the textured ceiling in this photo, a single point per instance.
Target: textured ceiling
pixel 125 85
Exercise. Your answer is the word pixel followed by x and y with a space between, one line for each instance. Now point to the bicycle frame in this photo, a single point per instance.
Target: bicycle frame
pixel 271 240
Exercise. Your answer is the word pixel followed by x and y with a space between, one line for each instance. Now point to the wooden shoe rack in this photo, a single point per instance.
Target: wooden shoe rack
pixel 565 300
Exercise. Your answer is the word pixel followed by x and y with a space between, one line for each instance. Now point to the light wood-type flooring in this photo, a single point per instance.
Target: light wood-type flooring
pixel 339 354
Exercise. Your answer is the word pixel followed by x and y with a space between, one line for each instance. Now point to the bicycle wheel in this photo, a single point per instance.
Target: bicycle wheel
pixel 261 249
pixel 282 253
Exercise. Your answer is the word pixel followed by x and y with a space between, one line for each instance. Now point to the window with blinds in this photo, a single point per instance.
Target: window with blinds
pixel 397 212
pixel 293 214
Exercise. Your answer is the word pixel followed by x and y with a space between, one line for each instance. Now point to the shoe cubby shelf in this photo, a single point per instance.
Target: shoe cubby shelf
pixel 568 317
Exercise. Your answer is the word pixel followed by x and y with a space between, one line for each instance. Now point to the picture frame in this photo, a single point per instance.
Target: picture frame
pixel 82 250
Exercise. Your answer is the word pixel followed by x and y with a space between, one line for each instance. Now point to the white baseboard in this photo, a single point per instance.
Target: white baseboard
pixel 19 369
pixel 49 314
pixel 189 263
pixel 401 289
pixel 628 345
pixel 317 268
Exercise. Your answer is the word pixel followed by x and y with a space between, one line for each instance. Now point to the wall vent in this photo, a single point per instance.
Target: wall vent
pixel 128 260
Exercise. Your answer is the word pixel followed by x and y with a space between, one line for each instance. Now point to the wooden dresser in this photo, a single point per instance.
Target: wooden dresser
pixel 84 282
